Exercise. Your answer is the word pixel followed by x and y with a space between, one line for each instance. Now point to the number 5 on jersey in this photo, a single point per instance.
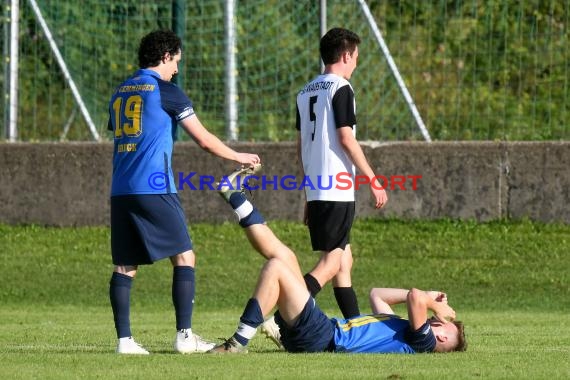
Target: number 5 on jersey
pixel 128 116
pixel 312 115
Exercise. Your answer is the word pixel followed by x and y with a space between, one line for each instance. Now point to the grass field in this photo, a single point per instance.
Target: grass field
pixel 508 281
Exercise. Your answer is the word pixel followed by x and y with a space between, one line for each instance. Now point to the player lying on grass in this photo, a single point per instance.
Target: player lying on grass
pixel 305 328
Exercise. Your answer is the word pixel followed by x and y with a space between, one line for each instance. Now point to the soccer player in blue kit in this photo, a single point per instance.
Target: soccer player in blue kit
pixel 147 220
pixel 305 328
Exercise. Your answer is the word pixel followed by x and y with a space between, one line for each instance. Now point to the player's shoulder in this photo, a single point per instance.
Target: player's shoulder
pixel 320 82
pixel 336 81
pixel 145 76
pixel 151 77
pixel 139 81
pixel 169 88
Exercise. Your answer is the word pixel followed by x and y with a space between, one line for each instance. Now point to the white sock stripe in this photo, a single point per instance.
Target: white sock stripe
pixel 246 331
pixel 244 210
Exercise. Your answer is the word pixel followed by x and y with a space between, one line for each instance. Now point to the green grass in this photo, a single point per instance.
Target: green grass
pixel 509 282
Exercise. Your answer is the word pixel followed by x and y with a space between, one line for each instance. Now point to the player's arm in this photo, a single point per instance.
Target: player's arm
pixel 300 161
pixel 210 143
pixel 302 170
pixel 419 303
pixel 299 156
pixel 354 151
pixel 343 109
pixel 382 299
pixel 299 143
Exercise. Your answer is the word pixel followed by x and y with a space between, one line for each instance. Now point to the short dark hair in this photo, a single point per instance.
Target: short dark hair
pixel 461 342
pixel 335 42
pixel 155 45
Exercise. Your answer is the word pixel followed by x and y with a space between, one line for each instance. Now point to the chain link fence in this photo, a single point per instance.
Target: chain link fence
pixel 475 69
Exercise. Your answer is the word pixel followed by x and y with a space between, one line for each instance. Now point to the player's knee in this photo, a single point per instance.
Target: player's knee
pixel 333 265
pixel 129 270
pixel 273 267
pixel 273 263
pixel 183 259
pixel 372 294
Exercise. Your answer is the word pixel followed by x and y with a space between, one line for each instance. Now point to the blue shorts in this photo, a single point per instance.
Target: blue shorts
pixel 313 331
pixel 147 228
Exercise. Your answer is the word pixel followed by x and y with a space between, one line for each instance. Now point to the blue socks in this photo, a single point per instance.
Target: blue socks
pixel 251 318
pixel 120 294
pixel 182 296
pixel 247 214
pixel 183 292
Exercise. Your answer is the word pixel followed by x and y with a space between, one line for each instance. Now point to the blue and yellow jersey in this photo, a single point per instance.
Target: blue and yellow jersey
pixel 381 333
pixel 143 113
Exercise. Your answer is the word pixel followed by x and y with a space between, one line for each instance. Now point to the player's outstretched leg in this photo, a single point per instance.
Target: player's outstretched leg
pixel 260 236
pixel 231 188
pixel 236 181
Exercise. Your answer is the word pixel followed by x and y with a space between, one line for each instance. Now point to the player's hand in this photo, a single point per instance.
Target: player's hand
pixel 380 196
pixel 437 296
pixel 248 159
pixel 443 312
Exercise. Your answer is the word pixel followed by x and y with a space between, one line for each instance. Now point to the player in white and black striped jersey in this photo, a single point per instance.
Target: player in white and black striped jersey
pixel 327 148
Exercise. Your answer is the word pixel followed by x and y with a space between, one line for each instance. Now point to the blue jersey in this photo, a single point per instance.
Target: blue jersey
pixel 143 113
pixel 381 333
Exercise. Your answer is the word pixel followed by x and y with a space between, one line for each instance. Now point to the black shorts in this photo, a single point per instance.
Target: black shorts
pixel 330 224
pixel 147 228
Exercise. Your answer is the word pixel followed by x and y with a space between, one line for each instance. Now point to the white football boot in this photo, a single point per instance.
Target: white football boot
pixel 187 343
pixel 130 347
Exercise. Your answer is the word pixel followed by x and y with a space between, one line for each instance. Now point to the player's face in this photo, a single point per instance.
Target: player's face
pixel 446 335
pixel 171 65
pixel 351 62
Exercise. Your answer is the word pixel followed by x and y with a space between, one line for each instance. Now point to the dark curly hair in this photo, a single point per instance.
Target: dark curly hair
pixel 335 42
pixel 155 45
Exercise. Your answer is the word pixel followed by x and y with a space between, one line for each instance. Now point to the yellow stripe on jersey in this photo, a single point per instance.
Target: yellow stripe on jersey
pixel 364 320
